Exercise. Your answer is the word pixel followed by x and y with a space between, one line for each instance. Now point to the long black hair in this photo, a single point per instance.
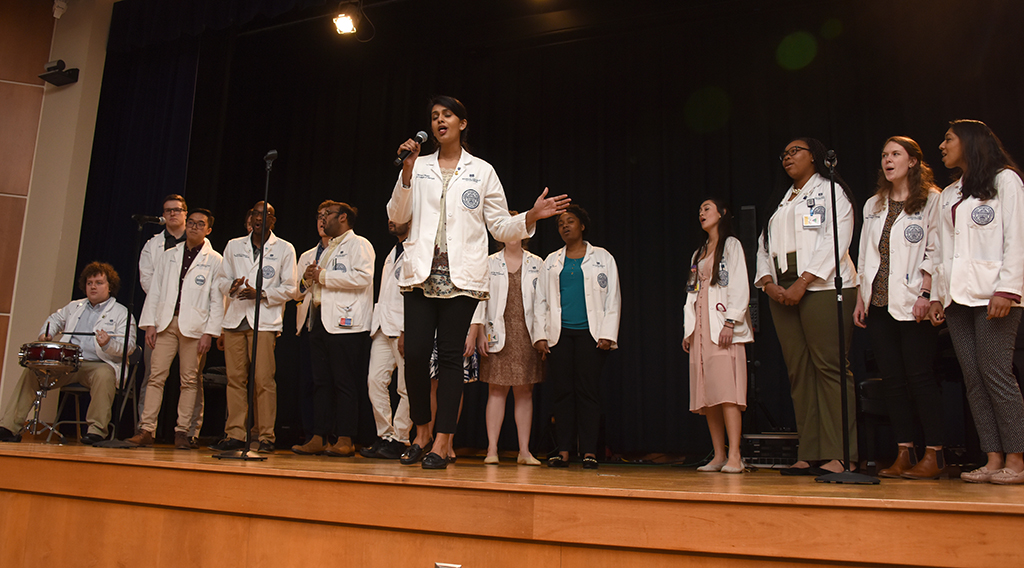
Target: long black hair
pixel 725 231
pixel 818 152
pixel 984 155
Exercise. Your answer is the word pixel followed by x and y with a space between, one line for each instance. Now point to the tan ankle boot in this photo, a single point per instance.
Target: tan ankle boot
pixel 906 459
pixel 314 447
pixel 343 448
pixel 931 466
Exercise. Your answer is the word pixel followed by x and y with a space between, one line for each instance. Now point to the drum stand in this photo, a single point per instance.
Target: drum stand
pixel 46 380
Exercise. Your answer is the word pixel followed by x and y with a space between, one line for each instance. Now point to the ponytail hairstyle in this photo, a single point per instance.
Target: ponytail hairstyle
pixel 985 158
pixel 920 179
pixel 725 231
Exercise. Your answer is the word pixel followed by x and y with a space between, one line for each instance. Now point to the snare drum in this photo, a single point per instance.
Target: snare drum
pixel 51 356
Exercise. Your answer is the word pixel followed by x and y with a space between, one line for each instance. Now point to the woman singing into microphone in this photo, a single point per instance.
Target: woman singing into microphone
pixel 717 324
pixel 452 199
pixel 897 249
pixel 981 275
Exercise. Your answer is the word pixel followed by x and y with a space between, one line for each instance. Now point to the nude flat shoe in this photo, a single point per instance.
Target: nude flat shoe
pixel 491 460
pixel 528 461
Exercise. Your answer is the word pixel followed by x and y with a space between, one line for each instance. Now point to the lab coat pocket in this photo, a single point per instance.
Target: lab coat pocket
pixel 982 277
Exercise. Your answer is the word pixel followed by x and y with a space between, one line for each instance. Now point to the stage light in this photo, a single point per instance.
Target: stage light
pixel 347 19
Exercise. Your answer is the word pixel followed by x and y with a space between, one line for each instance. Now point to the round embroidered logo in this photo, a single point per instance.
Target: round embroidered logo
pixel 983 214
pixel 340 267
pixel 471 199
pixel 914 233
pixel 602 280
pixel 200 280
pixel 819 210
pixel 268 272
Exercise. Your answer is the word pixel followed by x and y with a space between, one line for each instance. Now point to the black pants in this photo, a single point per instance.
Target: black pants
pixel 306 388
pixel 574 375
pixel 449 319
pixel 905 351
pixel 339 362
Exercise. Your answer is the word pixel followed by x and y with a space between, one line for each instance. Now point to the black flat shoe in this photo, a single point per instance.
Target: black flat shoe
pixel 452 459
pixel 557 461
pixel 373 451
pixel 800 471
pixel 391 450
pixel 412 455
pixel 8 436
pixel 589 463
pixel 434 461
pixel 91 439
pixel 228 445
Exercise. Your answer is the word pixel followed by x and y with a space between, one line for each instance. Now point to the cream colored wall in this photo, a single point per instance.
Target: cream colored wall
pixel 60 168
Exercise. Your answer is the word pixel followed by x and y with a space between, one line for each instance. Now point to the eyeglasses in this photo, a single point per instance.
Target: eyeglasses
pixel 259 214
pixel 195 224
pixel 791 152
pixel 169 210
pixel 326 214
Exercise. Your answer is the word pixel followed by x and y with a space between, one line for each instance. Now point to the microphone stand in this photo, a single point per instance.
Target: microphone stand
pixel 845 476
pixel 245 453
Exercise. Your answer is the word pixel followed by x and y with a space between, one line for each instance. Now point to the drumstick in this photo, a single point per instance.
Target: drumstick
pixel 47 334
pixel 79 333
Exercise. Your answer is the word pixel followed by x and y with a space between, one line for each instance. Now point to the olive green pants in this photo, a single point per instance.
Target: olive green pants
pixel 810 347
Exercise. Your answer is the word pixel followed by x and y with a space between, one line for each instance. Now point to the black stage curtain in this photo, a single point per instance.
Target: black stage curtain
pixel 638 110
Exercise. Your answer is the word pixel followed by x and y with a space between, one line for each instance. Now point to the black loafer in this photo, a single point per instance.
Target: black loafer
pixel 800 471
pixel 391 450
pixel 557 461
pixel 589 463
pixel 373 451
pixel 434 461
pixel 8 436
pixel 90 439
pixel 228 445
pixel 412 455
pixel 265 447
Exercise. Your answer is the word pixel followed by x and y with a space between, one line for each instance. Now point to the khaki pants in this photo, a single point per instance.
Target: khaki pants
pixel 809 339
pixel 237 351
pixel 98 376
pixel 171 342
pixel 384 357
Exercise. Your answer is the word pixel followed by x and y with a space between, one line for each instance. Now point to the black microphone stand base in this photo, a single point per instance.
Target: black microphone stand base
pixel 850 477
pixel 246 455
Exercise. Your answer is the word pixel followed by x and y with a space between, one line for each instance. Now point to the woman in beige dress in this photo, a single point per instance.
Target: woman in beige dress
pixel 717 324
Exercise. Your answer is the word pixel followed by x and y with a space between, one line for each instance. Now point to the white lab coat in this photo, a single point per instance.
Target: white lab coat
pixel 347 290
pixel 279 281
pixel 815 252
pixel 389 312
pixel 153 248
pixel 984 253
pixel 112 320
pixel 474 203
pixel 729 299
pixel 911 249
pixel 304 297
pixel 601 290
pixel 202 303
pixel 491 313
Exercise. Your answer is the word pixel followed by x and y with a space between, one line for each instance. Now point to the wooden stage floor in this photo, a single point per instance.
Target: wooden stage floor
pixel 81 506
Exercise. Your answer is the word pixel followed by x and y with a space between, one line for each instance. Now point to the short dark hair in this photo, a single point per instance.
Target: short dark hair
pixel 95 268
pixel 580 214
pixel 201 211
pixel 175 197
pixel 350 212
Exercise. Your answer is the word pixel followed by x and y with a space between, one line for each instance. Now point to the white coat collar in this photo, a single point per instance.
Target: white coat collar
pixel 465 159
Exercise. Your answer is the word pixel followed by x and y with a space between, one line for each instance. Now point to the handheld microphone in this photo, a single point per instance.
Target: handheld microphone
pixel 830 159
pixel 143 219
pixel 271 156
pixel 420 137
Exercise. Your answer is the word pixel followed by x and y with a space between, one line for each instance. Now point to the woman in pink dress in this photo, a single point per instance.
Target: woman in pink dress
pixel 717 324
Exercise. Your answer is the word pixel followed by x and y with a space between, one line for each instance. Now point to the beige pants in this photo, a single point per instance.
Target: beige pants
pixel 171 342
pixel 237 351
pixel 98 376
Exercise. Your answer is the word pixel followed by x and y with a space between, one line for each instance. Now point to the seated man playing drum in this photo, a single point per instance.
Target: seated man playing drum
pixel 96 325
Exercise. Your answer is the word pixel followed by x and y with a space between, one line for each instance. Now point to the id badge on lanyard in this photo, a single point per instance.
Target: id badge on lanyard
pixel 346 320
